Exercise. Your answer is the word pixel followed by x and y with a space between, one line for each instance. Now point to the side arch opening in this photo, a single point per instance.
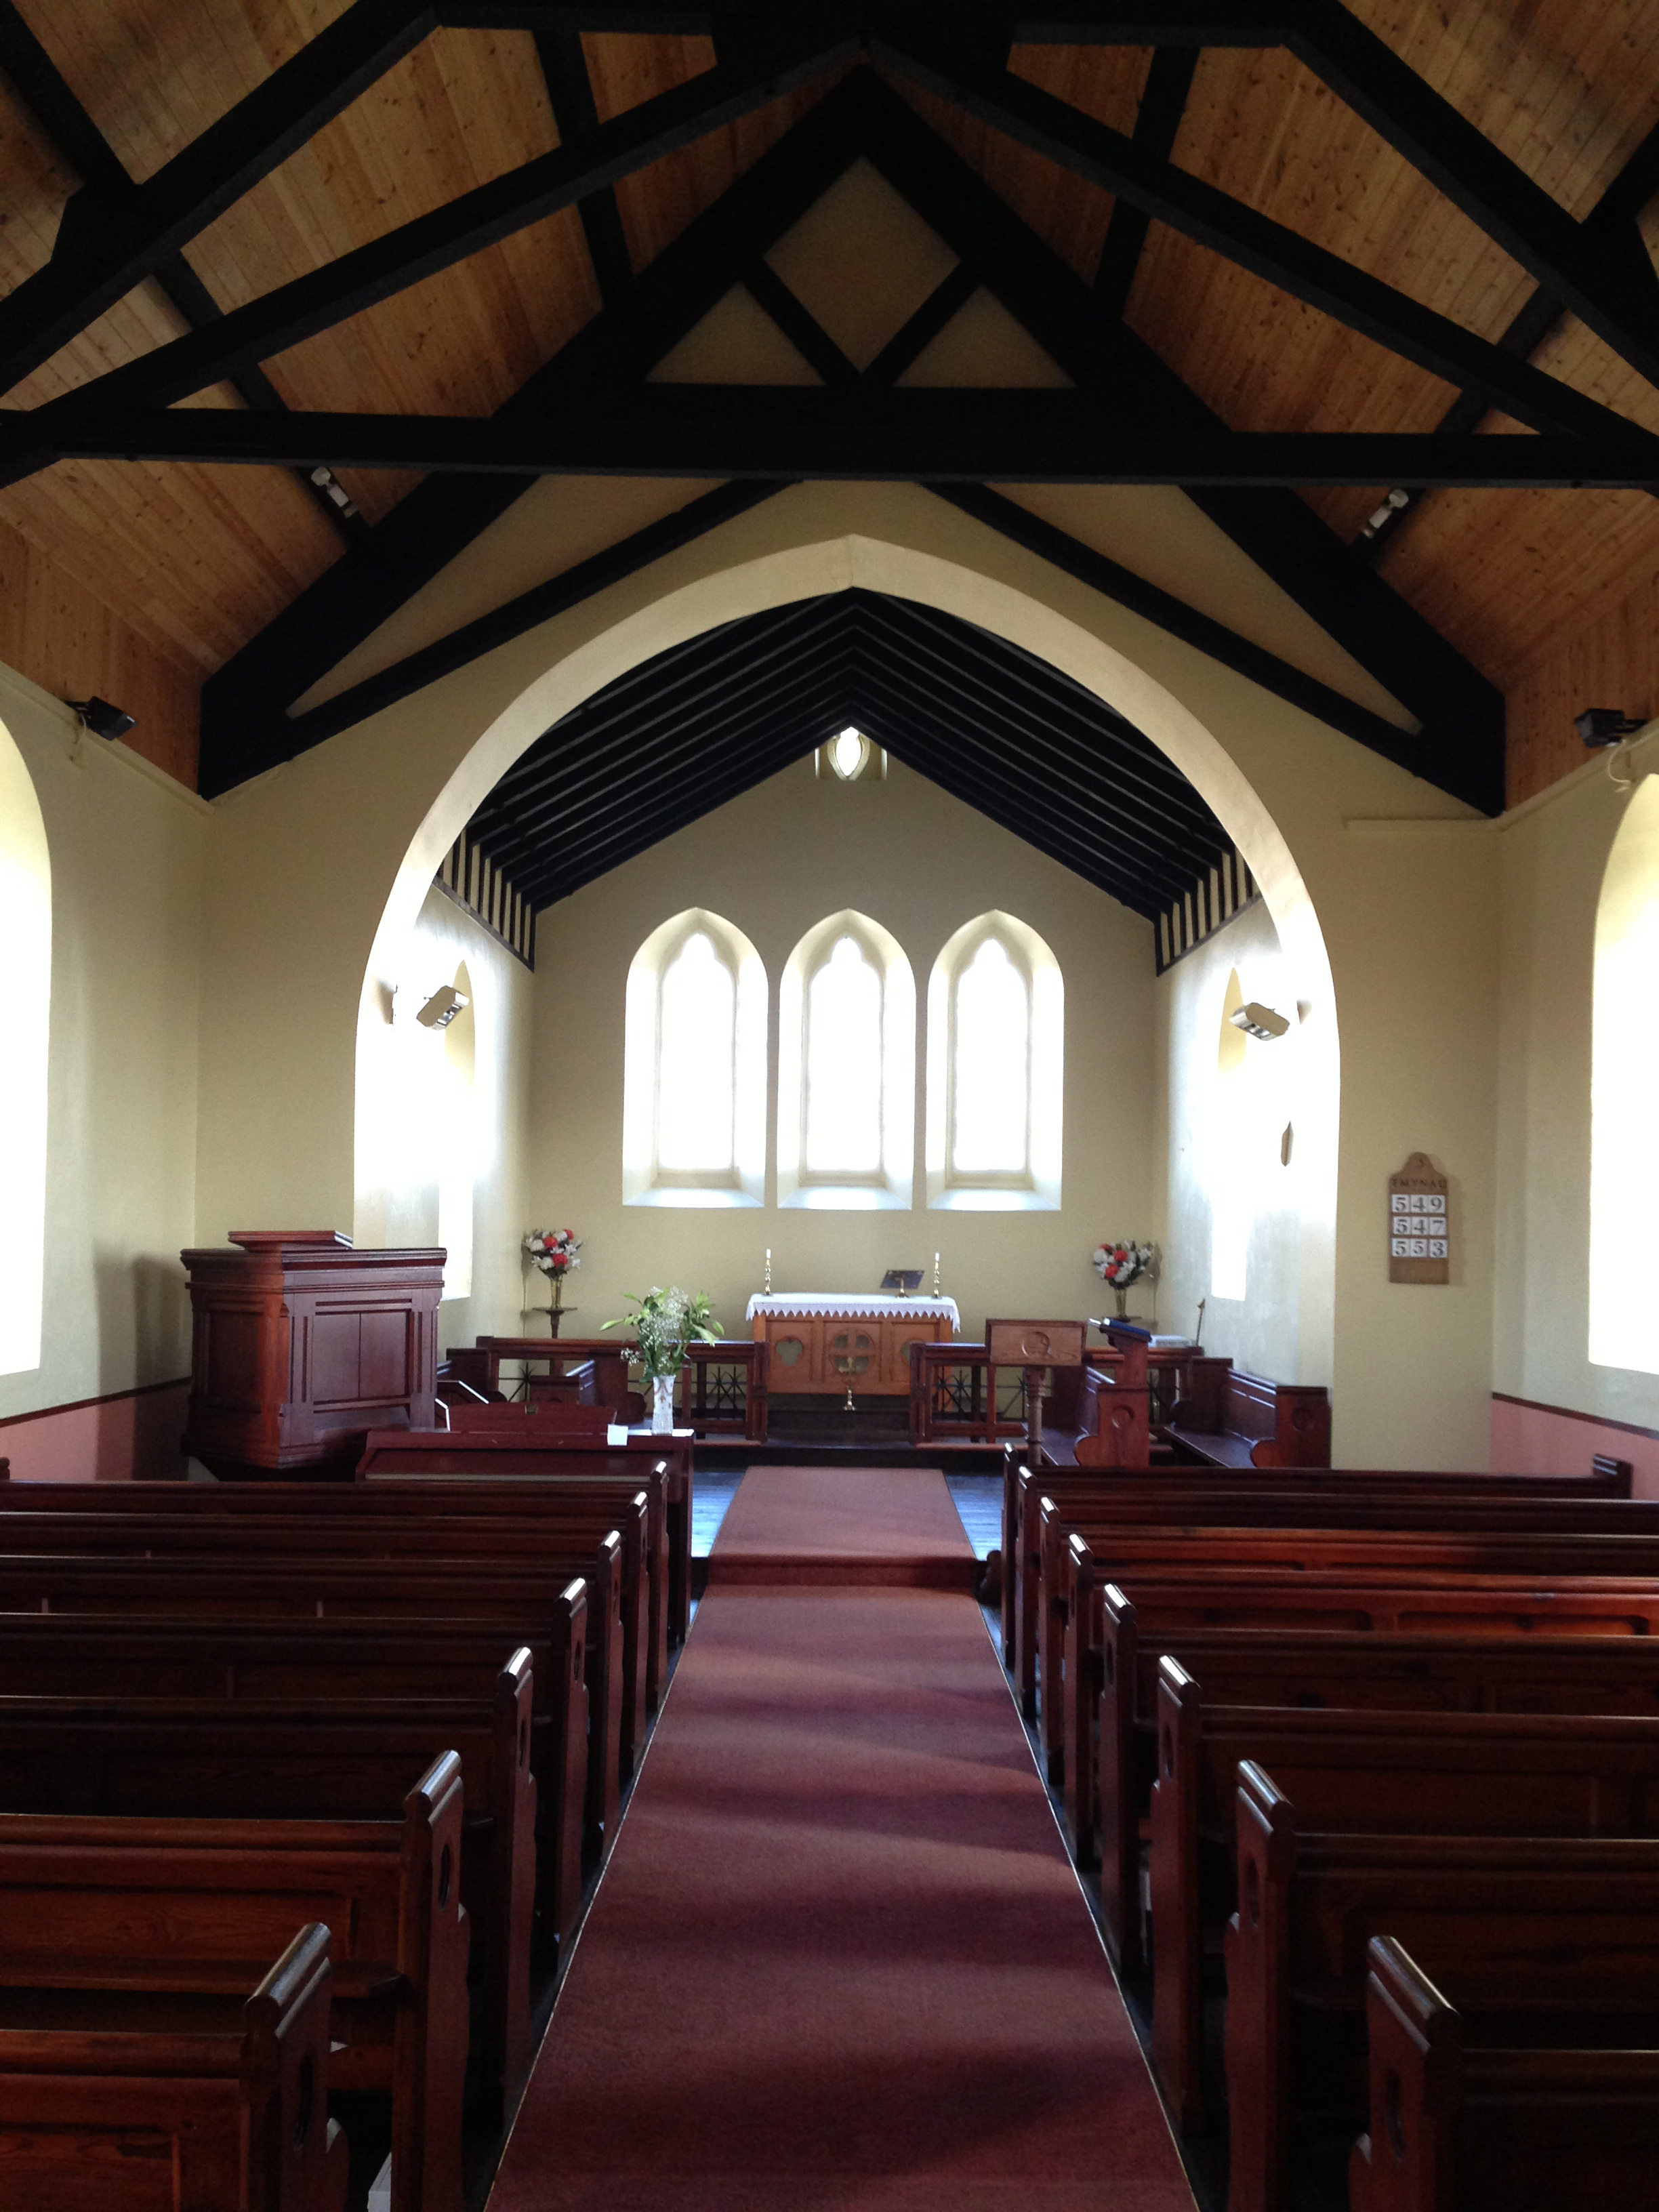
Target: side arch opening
pixel 25 938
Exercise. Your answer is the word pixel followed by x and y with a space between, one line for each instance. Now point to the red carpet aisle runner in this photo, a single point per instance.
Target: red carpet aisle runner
pixel 844 1526
pixel 839 1959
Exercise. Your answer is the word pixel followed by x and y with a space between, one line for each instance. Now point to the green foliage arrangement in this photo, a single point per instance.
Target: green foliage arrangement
pixel 665 1322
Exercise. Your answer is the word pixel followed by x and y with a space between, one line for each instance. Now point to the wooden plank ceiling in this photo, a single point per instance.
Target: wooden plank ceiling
pixel 197 560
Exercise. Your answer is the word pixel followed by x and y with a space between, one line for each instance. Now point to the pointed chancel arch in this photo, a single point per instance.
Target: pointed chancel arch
pixel 885 539
pixel 693 1067
pixel 996 1065
pixel 26 936
pixel 1624 1281
pixel 847 1069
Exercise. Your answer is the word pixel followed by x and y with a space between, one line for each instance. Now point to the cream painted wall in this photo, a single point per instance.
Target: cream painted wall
pixel 1415 940
pixel 1261 1333
pixel 126 845
pixel 402 1071
pixel 1551 855
pixel 775 862
pixel 319 870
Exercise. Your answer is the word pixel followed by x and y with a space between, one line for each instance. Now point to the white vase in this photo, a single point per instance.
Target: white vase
pixel 662 1404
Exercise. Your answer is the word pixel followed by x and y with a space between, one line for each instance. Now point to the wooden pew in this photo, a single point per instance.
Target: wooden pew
pixel 598 1364
pixel 1462 1538
pixel 1182 1488
pixel 111 2101
pixel 493 1493
pixel 188 1758
pixel 1421 1773
pixel 1457 2125
pixel 162 1905
pixel 543 1449
pixel 1548 1937
pixel 313 1663
pixel 1107 1811
pixel 517 1581
pixel 1231 1419
pixel 558 1527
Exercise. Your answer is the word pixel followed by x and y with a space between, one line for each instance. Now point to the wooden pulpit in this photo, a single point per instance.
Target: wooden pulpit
pixel 299 1345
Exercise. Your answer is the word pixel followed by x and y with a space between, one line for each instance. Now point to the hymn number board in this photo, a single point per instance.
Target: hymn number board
pixel 1420 1246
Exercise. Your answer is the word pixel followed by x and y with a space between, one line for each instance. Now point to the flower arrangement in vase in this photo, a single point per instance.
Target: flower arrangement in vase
pixel 553 1253
pixel 1119 1264
pixel 664 1321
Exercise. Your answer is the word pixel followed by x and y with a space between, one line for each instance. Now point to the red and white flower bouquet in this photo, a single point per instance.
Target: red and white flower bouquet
pixel 553 1251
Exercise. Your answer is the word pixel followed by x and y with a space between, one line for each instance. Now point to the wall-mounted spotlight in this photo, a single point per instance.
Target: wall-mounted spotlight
pixel 100 718
pixel 1615 735
pixel 1606 726
pixel 441 1008
pixel 1258 1021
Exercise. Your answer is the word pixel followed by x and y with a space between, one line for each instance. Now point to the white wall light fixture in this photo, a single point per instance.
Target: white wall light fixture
pixel 441 1008
pixel 1259 1021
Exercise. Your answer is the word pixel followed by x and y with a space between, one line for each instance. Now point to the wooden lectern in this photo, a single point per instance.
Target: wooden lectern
pixel 300 1345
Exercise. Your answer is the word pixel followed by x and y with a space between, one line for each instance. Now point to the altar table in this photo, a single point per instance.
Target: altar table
pixel 807 1332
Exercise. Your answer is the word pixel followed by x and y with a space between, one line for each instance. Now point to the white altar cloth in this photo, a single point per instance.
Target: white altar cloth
pixel 851 1305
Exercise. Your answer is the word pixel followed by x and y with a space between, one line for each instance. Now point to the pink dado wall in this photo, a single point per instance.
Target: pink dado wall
pixel 1531 1439
pixel 132 1437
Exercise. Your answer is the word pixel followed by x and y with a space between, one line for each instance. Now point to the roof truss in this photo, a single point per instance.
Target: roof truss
pixel 582 413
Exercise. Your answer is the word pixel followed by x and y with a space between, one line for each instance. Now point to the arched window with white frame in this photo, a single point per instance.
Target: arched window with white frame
pixel 26 933
pixel 1624 1234
pixel 693 1067
pixel 847 1069
pixel 996 1064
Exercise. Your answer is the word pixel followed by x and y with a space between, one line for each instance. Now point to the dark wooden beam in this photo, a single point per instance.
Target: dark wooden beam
pixel 45 91
pixel 908 344
pixel 1461 710
pixel 1625 199
pixel 243 703
pixel 1422 754
pixel 1213 219
pixel 803 331
pixel 570 95
pixel 113 235
pixel 235 748
pixel 1086 22
pixel 421 248
pixel 1606 278
pixel 923 435
pixel 1162 103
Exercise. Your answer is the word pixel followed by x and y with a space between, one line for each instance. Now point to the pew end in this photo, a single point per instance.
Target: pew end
pixel 1405 2162
pixel 1258 2062
pixel 1118 1796
pixel 296 2155
pixel 1177 1961
pixel 116 2101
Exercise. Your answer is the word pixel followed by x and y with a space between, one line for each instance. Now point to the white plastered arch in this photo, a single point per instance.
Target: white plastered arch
pixel 784 553
pixel 26 946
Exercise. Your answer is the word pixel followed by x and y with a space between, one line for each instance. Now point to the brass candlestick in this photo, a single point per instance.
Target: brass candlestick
pixel 848 1366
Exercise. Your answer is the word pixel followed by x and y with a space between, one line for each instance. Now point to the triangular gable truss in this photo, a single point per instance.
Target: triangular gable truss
pixel 115 234
pixel 1460 740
